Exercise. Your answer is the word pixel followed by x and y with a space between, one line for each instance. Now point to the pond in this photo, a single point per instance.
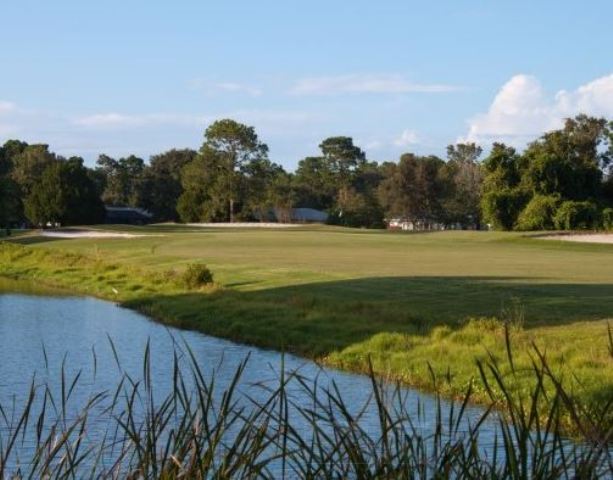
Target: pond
pixel 43 338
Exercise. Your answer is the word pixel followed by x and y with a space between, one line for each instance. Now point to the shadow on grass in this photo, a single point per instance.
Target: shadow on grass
pixel 30 239
pixel 316 319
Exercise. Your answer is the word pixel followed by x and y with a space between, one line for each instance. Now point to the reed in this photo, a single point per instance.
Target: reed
pixel 200 430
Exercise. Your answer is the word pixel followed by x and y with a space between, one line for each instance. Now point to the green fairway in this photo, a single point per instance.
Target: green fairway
pixel 341 295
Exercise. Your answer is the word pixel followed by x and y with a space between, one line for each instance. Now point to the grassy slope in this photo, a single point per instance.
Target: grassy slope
pixel 342 295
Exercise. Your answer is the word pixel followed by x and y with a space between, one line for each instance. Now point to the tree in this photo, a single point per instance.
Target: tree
pixel 342 182
pixel 315 183
pixel 10 204
pixel 343 158
pixel 281 196
pixel 159 186
pixel 569 161
pixel 29 164
pixel 503 198
pixel 231 146
pixel 64 194
pixel 8 152
pixel 502 207
pixel 11 208
pixel 121 178
pixel 203 197
pixel 414 189
pixel 463 172
pixel 260 175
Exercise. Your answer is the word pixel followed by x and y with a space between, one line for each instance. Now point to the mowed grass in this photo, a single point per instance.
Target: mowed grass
pixel 413 303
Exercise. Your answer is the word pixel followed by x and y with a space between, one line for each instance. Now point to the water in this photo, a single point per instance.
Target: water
pixel 75 333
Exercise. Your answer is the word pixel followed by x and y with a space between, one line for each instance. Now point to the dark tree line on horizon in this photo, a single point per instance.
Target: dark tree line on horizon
pixel 560 181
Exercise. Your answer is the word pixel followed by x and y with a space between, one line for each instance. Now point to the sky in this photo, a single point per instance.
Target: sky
pixel 141 77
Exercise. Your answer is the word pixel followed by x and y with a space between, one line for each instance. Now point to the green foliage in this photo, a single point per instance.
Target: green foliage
pixel 231 177
pixel 566 164
pixel 539 213
pixel 64 194
pixel 29 164
pixel 197 275
pixel 607 218
pixel 463 174
pixel 120 179
pixel 10 205
pixel 199 429
pixel 574 215
pixel 501 208
pixel 414 189
pixel 159 187
pixel 217 178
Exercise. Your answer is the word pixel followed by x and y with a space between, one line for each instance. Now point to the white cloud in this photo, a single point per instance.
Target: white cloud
pixel 237 87
pixel 6 107
pixel 373 145
pixel 522 110
pixel 119 120
pixel 406 138
pixel 364 84
pixel 213 88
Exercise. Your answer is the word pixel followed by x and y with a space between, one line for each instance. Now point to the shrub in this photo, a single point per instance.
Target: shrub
pixel 539 213
pixel 574 215
pixel 197 275
pixel 501 208
pixel 607 218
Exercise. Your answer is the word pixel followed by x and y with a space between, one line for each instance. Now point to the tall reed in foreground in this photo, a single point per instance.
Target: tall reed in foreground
pixel 297 427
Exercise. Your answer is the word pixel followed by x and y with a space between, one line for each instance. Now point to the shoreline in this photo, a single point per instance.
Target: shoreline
pixel 214 311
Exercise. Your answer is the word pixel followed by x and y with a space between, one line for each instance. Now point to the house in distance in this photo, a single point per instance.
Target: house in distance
pixel 127 215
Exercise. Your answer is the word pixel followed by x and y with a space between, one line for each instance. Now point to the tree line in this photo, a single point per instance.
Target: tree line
pixel 562 180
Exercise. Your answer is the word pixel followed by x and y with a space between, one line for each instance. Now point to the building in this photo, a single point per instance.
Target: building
pixel 127 215
pixel 293 215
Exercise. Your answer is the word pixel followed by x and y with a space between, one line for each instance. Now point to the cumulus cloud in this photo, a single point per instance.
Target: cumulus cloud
pixel 343 84
pixel 522 110
pixel 406 138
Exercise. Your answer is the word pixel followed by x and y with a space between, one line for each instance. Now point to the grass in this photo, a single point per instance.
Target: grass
pixel 297 428
pixel 413 303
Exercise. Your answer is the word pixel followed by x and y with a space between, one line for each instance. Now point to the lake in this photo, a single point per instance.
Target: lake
pixel 45 337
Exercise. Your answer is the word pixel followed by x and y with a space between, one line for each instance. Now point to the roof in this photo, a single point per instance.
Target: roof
pixel 304 215
pixel 127 213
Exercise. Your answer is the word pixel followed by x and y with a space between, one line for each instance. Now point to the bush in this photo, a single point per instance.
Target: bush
pixel 574 215
pixel 539 213
pixel 502 207
pixel 197 275
pixel 607 218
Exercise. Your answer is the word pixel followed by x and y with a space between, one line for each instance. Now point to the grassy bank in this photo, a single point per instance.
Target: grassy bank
pixel 413 303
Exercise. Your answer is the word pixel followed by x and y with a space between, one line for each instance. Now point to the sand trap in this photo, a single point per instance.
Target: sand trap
pixel 586 238
pixel 244 225
pixel 89 234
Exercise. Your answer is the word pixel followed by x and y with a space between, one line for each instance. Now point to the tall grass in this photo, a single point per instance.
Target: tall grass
pixel 199 430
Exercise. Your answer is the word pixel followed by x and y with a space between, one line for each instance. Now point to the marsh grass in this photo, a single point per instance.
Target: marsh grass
pixel 200 430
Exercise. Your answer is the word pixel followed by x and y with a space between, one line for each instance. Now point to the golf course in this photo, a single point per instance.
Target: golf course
pixel 417 306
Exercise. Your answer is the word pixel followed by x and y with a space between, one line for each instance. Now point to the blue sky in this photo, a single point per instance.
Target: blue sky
pixel 124 77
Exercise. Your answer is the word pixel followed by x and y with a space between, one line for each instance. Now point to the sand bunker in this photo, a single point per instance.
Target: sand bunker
pixel 245 225
pixel 586 238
